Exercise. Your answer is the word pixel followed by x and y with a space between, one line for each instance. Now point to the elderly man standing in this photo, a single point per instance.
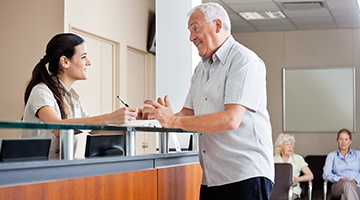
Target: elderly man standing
pixel 226 105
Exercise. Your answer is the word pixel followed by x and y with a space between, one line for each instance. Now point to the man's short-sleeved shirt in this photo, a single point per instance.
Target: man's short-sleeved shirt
pixel 236 76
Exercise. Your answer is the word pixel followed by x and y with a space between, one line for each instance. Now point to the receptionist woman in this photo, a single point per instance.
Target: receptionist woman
pixel 49 96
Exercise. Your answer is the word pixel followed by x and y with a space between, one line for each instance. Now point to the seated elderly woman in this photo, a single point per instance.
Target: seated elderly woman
pixel 284 153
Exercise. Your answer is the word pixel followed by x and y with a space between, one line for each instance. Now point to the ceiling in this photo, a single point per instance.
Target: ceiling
pixel 300 14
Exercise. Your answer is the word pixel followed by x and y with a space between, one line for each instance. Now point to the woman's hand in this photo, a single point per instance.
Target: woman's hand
pixel 295 180
pixel 343 179
pixel 123 115
pixel 346 179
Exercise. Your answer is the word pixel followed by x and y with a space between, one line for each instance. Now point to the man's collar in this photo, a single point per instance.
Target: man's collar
pixel 222 53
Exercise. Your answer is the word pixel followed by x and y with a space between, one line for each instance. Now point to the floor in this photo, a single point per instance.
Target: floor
pixel 317 195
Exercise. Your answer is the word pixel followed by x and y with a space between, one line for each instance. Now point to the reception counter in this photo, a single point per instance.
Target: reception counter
pixel 162 176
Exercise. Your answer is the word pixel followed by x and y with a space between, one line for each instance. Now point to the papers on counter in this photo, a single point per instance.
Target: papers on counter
pixel 143 123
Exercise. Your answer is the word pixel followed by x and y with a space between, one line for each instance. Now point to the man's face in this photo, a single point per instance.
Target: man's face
pixel 202 34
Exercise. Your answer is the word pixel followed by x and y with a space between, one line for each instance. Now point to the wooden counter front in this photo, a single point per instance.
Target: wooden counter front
pixel 171 177
pixel 179 183
pixel 123 186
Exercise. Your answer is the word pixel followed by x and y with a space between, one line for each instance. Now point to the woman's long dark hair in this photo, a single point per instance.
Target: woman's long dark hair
pixel 62 44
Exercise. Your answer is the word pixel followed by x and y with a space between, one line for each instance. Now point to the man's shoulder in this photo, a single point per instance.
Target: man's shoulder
pixel 243 51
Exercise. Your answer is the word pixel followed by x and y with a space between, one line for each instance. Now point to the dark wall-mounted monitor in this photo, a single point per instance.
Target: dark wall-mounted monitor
pixel 105 145
pixel 12 150
pixel 151 46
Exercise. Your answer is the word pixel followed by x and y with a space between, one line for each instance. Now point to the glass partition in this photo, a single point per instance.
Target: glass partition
pixel 67 134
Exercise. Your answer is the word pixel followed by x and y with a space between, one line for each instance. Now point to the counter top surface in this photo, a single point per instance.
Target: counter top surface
pixel 13 173
pixel 124 127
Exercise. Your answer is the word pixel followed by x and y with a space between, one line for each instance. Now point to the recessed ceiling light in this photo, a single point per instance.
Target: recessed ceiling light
pixel 275 15
pixel 251 15
pixel 262 15
pixel 302 5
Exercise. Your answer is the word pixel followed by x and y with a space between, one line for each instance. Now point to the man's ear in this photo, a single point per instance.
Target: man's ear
pixel 64 62
pixel 218 24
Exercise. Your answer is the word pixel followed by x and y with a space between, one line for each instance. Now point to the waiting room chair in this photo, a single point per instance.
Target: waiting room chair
pixel 307 189
pixel 283 182
pixel 327 191
pixel 316 164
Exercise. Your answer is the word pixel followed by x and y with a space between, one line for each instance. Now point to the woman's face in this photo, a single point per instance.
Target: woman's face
pixel 287 148
pixel 78 64
pixel 344 141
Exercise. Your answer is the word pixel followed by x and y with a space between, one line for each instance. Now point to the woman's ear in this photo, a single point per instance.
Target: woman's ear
pixel 64 62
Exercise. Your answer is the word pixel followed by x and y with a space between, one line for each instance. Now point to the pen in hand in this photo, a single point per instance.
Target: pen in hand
pixel 123 102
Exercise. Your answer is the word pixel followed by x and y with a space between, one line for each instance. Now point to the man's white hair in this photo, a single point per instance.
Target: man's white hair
pixel 213 11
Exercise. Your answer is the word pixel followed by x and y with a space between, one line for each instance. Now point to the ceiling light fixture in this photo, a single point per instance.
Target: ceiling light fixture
pixel 251 15
pixel 305 5
pixel 262 15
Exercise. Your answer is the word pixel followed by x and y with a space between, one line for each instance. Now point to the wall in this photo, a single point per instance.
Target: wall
pixel 25 29
pixel 312 48
pixel 122 21
pixel 174 59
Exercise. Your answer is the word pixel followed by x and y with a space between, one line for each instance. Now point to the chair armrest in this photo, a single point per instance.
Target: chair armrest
pixel 290 193
pixel 325 189
pixel 310 187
